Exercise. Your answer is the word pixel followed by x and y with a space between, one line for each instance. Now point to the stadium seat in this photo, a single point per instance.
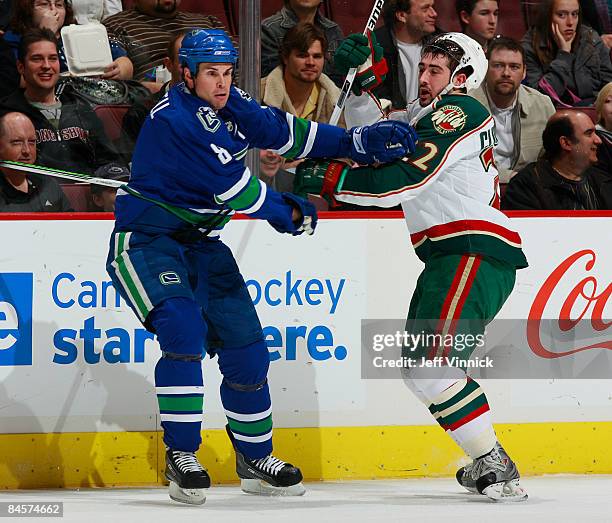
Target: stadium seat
pixel 351 16
pixel 112 118
pixel 78 195
pixel 447 16
pixel 511 21
pixel 590 111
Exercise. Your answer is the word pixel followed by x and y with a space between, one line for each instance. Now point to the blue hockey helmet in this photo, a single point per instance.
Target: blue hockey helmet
pixel 207 46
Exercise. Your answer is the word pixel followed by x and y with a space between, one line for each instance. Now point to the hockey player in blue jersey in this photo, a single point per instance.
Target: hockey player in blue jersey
pixel 167 261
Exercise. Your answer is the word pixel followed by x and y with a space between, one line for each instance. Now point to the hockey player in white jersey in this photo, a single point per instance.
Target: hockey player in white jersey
pixel 449 192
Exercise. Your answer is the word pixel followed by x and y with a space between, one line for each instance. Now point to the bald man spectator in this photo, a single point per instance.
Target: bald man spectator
pixel 564 179
pixel 19 191
pixel 145 31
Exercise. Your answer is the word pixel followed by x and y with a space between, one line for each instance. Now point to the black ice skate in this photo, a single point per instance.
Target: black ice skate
pixel 187 477
pixel 267 476
pixel 497 477
pixel 464 477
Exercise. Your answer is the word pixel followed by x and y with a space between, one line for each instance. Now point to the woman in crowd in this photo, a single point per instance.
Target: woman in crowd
pixel 604 129
pixel 53 15
pixel 565 59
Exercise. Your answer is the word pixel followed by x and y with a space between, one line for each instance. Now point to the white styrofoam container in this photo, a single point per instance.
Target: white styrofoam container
pixel 87 49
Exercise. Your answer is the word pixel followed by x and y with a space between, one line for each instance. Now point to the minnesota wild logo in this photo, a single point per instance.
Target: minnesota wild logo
pixel 448 119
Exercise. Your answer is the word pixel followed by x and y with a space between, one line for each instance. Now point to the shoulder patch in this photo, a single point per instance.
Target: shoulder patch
pixel 448 119
pixel 209 119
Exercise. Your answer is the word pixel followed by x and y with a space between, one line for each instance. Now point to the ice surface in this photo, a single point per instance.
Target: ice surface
pixel 551 499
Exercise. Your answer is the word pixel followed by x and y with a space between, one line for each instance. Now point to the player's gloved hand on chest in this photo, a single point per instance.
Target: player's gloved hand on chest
pixel 366 54
pixel 320 177
pixel 308 216
pixel 382 142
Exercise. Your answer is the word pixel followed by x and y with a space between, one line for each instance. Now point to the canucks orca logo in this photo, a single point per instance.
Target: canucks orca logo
pixel 209 119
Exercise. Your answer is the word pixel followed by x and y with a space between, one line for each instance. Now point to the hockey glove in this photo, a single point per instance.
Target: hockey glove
pixel 320 177
pixel 308 222
pixel 382 142
pixel 365 53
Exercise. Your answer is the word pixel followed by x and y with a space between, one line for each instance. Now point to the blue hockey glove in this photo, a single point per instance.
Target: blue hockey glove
pixel 382 142
pixel 309 215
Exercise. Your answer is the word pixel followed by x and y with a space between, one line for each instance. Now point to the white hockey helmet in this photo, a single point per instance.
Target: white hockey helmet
pixel 473 57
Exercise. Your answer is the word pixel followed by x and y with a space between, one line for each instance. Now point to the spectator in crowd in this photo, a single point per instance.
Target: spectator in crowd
pixel 604 129
pixel 146 30
pixel 272 172
pixel 53 15
pixel 299 86
pixel 102 196
pixel 92 11
pixel 273 31
pixel 6 11
pixel 565 59
pixel 9 77
pixel 138 112
pixel 68 133
pixel 19 191
pixel 520 112
pixel 564 179
pixel 478 19
pixel 598 15
pixel 407 23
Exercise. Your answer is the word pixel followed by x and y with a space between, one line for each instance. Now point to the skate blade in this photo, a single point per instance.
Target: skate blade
pixel 192 496
pixel 507 492
pixel 261 488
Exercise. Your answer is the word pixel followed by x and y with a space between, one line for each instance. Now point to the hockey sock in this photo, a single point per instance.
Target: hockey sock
pixel 246 397
pixel 180 330
pixel 463 411
pixel 180 395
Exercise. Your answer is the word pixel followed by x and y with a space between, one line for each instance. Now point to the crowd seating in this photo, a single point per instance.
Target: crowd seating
pixel 78 195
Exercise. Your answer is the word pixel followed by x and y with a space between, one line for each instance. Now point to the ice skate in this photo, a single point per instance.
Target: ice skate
pixel 497 477
pixel 267 476
pixel 464 477
pixel 187 477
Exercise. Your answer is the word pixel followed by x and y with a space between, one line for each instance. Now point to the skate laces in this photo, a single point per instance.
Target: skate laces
pixel 270 464
pixel 186 461
pixel 489 463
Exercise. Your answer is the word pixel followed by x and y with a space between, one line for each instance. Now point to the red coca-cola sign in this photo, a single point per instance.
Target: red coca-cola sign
pixel 588 296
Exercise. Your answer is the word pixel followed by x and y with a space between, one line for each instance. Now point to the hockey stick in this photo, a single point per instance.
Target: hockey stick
pixel 48 171
pixel 350 77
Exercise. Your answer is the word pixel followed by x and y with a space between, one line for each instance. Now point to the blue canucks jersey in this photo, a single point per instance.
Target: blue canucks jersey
pixel 188 164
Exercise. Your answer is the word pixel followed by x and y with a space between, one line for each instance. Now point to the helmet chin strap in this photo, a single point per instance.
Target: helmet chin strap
pixel 425 110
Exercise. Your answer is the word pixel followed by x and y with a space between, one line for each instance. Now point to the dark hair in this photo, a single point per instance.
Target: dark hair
pixel 31 37
pixel 300 38
pixel 543 41
pixel 23 11
pixel 556 127
pixel 507 43
pixel 175 38
pixel 447 48
pixel 393 6
pixel 468 6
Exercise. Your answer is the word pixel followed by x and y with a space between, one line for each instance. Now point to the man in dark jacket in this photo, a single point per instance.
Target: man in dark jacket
pixel 21 192
pixel 408 23
pixel 68 133
pixel 274 28
pixel 564 179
